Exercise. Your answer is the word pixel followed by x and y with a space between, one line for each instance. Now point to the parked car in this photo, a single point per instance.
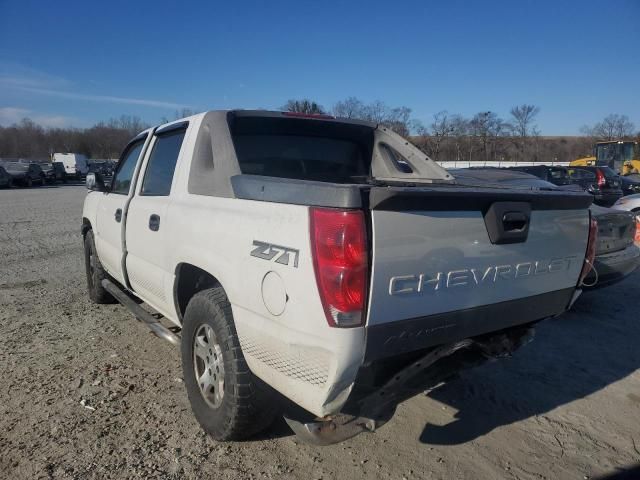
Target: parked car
pixel 602 182
pixel 54 172
pixel 630 184
pixel 630 203
pixel 6 181
pixel 616 253
pixel 105 169
pixel 25 174
pixel 552 174
pixel 326 261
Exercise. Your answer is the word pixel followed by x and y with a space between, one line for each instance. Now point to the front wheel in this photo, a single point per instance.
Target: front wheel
pixel 228 401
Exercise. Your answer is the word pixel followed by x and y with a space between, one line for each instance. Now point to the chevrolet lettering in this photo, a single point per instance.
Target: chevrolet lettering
pixel 476 277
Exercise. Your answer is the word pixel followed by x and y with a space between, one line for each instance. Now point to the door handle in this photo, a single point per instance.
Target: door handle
pixel 154 222
pixel 118 215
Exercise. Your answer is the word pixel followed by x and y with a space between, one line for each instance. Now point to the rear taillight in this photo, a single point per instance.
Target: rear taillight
pixel 339 248
pixel 637 236
pixel 591 250
pixel 600 178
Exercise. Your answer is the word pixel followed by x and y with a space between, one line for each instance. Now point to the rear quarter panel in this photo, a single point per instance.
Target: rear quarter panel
pixel 294 351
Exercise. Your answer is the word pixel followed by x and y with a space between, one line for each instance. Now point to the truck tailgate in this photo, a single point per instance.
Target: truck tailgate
pixel 438 277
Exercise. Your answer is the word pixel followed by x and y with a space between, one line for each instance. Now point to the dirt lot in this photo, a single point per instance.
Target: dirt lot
pixel 87 392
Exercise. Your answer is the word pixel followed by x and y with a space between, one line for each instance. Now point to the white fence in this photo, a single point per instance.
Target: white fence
pixel 479 163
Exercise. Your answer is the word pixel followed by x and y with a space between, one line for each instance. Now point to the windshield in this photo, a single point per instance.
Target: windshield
pixel 615 154
pixel 608 172
pixel 559 176
pixel 628 151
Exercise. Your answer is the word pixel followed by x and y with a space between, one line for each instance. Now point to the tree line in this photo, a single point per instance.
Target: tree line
pixel 485 136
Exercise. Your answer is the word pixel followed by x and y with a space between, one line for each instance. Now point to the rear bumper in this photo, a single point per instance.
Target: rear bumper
pixel 394 338
pixel 613 267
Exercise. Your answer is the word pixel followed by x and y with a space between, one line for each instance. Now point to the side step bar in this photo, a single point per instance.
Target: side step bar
pixel 140 313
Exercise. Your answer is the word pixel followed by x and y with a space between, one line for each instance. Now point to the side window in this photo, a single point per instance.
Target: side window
pixel 395 158
pixel 122 178
pixel 162 164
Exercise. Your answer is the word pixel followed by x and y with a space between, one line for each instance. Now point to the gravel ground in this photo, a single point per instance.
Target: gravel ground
pixel 87 392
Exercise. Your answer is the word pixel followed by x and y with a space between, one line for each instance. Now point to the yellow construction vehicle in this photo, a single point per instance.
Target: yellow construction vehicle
pixel 622 156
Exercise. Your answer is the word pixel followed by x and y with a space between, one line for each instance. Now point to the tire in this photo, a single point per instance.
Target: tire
pixel 95 272
pixel 233 407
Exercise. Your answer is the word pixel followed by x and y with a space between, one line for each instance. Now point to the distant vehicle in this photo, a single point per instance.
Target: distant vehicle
pixel 621 156
pixel 103 168
pixel 25 174
pixel 602 182
pixel 631 203
pixel 552 174
pixel 75 164
pixel 630 184
pixel 54 172
pixel 616 254
pixel 6 181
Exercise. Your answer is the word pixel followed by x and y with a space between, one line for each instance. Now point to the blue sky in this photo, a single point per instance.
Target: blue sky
pixel 75 63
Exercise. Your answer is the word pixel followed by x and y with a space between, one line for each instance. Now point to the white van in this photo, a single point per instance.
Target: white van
pixel 75 164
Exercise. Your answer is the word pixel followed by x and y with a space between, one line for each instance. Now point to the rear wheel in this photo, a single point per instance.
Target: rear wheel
pixel 228 401
pixel 95 272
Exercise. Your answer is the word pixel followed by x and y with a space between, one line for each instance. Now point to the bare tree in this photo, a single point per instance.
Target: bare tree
pixel 487 127
pixel 303 106
pixel 350 107
pixel 185 112
pixel 459 131
pixel 440 129
pixel 522 118
pixel 522 127
pixel 612 127
pixel 397 119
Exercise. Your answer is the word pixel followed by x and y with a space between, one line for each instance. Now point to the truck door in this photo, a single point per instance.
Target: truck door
pixel 147 222
pixel 109 230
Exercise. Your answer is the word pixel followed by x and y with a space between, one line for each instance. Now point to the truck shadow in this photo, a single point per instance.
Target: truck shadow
pixel 573 356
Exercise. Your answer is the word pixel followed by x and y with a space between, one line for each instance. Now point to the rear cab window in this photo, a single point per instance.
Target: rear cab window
pixel 303 149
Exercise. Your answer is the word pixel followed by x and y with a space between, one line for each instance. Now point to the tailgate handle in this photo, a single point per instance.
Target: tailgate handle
pixel 514 221
pixel 508 222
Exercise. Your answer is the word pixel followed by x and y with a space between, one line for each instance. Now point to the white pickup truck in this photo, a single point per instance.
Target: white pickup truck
pixel 324 261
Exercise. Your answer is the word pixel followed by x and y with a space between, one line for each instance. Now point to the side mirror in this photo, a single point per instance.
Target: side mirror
pixel 95 183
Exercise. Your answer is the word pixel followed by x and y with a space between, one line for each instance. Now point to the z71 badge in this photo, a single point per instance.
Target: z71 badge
pixel 277 253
